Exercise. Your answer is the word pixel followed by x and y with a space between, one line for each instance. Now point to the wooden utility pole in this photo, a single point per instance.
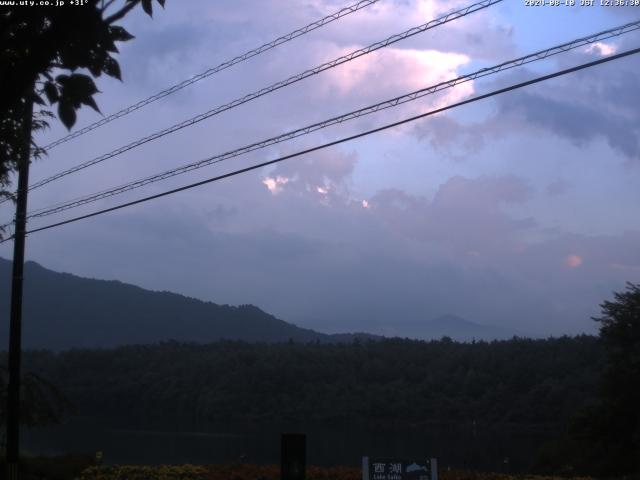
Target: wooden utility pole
pixel 15 326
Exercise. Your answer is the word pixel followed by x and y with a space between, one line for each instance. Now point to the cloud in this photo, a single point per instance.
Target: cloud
pixel 581 124
pixel 582 108
pixel 344 267
pixel 325 174
pixel 276 184
pixel 633 269
pixel 573 261
pixel 465 214
pixel 393 71
pixel 557 187
pixel 481 35
pixel 601 48
pixel 447 135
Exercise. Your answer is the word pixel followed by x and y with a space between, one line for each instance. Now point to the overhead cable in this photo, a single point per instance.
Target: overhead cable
pixel 213 70
pixel 276 86
pixel 533 57
pixel 342 140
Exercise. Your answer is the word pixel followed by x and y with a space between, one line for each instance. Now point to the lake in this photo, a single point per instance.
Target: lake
pixel 479 447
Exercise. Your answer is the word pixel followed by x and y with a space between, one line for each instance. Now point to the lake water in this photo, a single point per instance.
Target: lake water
pixel 484 448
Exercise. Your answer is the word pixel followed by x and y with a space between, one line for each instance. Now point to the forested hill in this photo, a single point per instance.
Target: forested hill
pixel 65 311
pixel 407 383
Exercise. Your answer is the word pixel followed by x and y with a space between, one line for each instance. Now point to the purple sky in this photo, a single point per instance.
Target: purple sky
pixel 520 211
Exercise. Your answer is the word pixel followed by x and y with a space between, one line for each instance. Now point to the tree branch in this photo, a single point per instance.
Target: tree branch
pixel 105 7
pixel 122 12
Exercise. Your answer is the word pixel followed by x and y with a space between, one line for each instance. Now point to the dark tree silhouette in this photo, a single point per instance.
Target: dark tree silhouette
pixel 520 389
pixel 42 402
pixel 43 52
pixel 605 438
pixel 620 334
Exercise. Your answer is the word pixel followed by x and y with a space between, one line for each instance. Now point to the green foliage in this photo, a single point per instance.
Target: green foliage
pixel 522 391
pixel 607 435
pixel 41 402
pixel 63 467
pixel 396 382
pixel 143 472
pixel 38 41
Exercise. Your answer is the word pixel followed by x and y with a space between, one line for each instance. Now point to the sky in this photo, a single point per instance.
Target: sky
pixel 519 211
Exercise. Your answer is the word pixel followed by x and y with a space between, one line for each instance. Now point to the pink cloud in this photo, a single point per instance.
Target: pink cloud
pixel 323 173
pixel 573 261
pixel 393 71
pixel 275 184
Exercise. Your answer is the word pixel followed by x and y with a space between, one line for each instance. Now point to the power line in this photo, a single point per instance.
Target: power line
pixel 276 86
pixel 4 228
pixel 343 140
pixel 537 56
pixel 213 70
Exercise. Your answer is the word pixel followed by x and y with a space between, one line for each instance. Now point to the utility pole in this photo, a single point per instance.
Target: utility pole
pixel 15 325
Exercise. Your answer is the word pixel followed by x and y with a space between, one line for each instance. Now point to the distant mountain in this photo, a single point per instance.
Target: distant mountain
pixel 63 311
pixel 459 329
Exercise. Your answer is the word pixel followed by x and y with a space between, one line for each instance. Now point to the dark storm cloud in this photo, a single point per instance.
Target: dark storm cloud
pixel 581 124
pixel 586 106
pixel 582 108
pixel 448 135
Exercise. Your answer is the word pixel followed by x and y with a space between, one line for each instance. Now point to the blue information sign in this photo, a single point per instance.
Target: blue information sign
pixel 374 468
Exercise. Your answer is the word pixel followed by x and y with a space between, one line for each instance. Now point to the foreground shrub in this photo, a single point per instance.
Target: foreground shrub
pixel 266 472
pixel 63 467
pixel 143 472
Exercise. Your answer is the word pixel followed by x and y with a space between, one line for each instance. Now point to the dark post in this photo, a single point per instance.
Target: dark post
pixel 293 463
pixel 13 394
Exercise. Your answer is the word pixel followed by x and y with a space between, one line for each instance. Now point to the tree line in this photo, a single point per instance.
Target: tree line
pixel 523 387
pixel 580 391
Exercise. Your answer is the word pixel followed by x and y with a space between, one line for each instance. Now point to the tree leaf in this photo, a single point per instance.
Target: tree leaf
pixel 119 34
pixel 38 99
pixel 110 46
pixel 81 85
pixel 161 2
pixel 95 69
pixel 62 79
pixel 92 103
pixel 67 114
pixel 147 6
pixel 112 68
pixel 51 91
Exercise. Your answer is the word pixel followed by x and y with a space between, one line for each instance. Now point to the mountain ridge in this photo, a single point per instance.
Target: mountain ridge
pixel 63 310
pixel 460 328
